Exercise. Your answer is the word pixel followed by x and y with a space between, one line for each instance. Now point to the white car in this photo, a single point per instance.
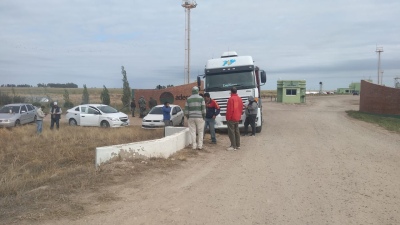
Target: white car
pixel 96 115
pixel 154 119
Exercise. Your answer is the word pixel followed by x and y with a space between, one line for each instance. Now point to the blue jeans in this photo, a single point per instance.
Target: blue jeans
pixel 210 122
pixel 39 125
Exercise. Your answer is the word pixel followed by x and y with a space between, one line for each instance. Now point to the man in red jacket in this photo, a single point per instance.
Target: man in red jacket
pixel 234 112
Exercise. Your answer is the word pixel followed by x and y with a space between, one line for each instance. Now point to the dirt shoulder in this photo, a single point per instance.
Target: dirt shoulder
pixel 311 164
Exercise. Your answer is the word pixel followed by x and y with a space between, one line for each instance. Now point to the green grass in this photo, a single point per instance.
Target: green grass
pixel 391 123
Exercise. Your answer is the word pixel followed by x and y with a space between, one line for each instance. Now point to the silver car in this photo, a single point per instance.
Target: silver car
pixel 154 119
pixel 12 115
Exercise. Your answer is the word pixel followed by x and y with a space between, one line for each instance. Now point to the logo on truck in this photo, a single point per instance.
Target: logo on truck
pixel 229 62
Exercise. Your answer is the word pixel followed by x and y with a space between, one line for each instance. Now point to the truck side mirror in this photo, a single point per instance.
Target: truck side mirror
pixel 263 77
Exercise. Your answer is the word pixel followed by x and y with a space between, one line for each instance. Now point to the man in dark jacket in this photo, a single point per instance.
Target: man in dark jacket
pixel 212 110
pixel 55 112
pixel 251 115
pixel 152 103
pixel 142 106
pixel 133 107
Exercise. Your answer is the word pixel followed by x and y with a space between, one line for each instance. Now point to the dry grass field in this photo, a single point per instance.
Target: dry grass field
pixel 39 174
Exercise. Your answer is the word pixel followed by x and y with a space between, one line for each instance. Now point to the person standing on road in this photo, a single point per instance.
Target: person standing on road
pixel 55 112
pixel 251 115
pixel 39 119
pixel 152 102
pixel 142 106
pixel 133 107
pixel 233 114
pixel 195 111
pixel 167 114
pixel 212 110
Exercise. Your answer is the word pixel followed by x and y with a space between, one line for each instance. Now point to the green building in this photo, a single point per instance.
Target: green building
pixel 291 91
pixel 353 87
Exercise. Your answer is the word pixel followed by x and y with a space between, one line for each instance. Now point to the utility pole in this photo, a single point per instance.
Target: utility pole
pixel 379 50
pixel 188 5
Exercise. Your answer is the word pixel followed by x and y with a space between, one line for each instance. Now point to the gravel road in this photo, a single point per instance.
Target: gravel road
pixel 311 164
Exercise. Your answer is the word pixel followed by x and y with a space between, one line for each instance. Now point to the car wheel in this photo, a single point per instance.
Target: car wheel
pixel 182 122
pixel 17 123
pixel 104 124
pixel 72 122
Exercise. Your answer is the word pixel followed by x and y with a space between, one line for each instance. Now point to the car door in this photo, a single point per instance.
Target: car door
pixel 24 115
pixel 91 117
pixel 31 113
pixel 179 115
pixel 174 116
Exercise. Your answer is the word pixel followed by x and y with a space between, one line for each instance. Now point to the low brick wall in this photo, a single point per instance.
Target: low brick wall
pixel 174 95
pixel 379 99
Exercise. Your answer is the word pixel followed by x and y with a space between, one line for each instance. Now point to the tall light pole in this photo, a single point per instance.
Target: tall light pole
pixel 379 50
pixel 188 5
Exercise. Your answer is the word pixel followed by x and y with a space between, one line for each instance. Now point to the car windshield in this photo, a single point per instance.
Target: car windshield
pixel 107 109
pixel 8 109
pixel 156 110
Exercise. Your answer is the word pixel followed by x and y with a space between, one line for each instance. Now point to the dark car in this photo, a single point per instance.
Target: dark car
pixel 355 93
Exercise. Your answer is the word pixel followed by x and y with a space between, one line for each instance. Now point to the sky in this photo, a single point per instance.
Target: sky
pixel 87 41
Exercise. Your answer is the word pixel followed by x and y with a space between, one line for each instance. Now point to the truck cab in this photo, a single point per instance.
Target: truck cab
pixel 231 70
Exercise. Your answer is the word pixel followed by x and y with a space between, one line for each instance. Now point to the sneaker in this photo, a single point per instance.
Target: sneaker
pixel 200 148
pixel 238 147
pixel 231 149
pixel 244 134
pixel 252 135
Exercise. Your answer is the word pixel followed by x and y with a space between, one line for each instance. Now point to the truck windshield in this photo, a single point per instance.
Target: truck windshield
pixel 225 81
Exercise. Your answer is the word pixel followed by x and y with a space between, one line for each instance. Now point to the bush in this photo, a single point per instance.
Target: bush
pixel 68 105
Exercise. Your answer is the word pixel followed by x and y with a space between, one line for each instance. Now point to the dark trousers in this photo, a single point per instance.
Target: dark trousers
pixel 234 133
pixel 250 120
pixel 142 110
pixel 56 121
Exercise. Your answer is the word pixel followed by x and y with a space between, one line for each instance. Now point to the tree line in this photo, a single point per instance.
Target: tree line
pixel 51 85
pixel 104 96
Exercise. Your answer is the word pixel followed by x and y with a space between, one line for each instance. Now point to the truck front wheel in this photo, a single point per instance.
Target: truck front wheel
pixel 258 129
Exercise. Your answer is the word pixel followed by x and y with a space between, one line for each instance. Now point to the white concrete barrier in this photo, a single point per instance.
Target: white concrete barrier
pixel 176 138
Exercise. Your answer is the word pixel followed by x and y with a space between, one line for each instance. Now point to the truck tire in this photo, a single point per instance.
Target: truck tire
pixel 258 129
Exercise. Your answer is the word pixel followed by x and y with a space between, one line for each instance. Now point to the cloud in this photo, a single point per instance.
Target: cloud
pixel 86 42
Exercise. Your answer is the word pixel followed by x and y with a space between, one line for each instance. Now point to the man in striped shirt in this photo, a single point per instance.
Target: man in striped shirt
pixel 195 111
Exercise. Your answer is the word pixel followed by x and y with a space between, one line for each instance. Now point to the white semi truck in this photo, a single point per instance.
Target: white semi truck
pixel 231 70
